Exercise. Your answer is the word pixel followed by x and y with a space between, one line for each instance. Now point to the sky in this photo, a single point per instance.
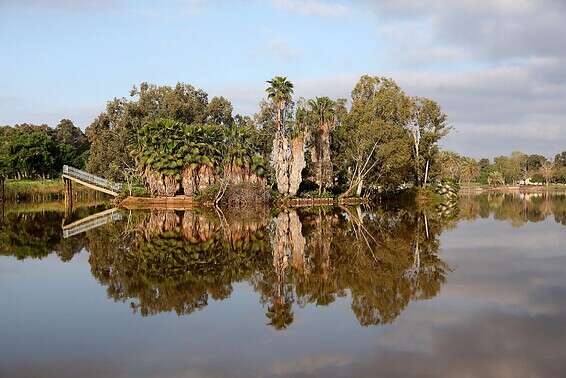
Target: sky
pixel 495 66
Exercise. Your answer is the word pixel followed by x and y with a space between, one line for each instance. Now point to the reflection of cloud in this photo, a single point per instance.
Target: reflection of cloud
pixel 501 314
pixel 489 344
pixel 309 364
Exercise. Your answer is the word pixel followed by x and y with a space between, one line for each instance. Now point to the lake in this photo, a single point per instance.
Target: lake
pixel 476 288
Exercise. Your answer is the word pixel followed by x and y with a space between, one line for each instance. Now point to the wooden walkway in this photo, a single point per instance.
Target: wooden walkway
pixel 90 181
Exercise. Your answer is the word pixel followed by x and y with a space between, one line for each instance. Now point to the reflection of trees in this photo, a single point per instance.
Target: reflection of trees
pixel 176 261
pixel 36 235
pixel 367 256
pixel 518 208
pixel 402 265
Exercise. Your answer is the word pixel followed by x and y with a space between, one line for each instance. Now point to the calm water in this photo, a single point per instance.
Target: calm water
pixel 473 290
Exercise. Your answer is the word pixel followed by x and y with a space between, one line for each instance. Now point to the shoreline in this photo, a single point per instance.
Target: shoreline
pixel 513 189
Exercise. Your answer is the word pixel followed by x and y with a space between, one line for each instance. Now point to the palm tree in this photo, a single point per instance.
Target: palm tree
pixel 323 112
pixel 279 92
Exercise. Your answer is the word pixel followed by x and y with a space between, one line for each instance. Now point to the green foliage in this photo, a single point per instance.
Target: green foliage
pixel 279 91
pixel 374 133
pixel 220 112
pixel 167 146
pixel 208 195
pixel 457 168
pixel 114 133
pixel 32 151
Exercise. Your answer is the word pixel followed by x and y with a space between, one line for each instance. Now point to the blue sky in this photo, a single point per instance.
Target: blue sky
pixel 495 67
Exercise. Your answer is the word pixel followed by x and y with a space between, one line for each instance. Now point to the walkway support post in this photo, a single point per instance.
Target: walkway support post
pixel 2 189
pixel 68 194
pixel 2 201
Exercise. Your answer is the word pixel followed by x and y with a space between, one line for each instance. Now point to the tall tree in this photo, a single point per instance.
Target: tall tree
pixel 560 159
pixel 323 112
pixel 114 133
pixel 220 111
pixel 375 147
pixel 287 159
pixel 426 127
pixel 547 171
pixel 280 92
pixel 73 144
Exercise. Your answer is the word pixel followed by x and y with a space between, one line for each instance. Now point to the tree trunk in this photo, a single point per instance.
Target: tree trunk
pixel 280 162
pixel 297 164
pixel 359 188
pixel 426 173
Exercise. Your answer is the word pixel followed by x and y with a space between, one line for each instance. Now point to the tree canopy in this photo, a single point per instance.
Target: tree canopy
pixel 38 151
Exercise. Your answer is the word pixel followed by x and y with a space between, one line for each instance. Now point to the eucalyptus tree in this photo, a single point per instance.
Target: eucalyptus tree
pixel 323 113
pixel 374 150
pixel 547 171
pixel 426 126
pixel 220 111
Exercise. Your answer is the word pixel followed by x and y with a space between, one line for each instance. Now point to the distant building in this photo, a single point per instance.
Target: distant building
pixel 528 181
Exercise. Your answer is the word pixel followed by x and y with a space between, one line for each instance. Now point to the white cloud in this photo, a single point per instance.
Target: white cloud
pixel 313 7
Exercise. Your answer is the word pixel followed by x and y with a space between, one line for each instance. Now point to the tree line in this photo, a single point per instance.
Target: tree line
pixel 30 151
pixel 517 168
pixel 173 139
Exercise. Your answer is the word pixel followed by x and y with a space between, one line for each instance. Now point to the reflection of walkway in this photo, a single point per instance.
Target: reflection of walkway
pixel 90 222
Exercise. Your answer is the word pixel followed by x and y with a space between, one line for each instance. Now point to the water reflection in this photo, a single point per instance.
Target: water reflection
pixel 518 208
pixel 493 267
pixel 161 261
pixel 33 230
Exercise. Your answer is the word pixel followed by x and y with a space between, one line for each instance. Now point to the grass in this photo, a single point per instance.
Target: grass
pixel 525 188
pixel 41 190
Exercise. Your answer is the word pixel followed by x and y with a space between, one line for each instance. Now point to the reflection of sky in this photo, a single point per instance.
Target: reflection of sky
pixel 501 313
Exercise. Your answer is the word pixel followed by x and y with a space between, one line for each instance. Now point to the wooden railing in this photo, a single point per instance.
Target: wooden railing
pixel 91 179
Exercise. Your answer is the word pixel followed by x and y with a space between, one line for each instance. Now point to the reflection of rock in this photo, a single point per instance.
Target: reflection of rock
pixel 297 242
pixel 178 260
pixel 288 240
pixel 197 228
pixel 160 222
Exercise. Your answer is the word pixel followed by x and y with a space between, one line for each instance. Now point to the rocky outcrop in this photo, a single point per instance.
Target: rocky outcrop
pixel 297 164
pixel 288 162
pixel 280 162
pixel 161 185
pixel 196 178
